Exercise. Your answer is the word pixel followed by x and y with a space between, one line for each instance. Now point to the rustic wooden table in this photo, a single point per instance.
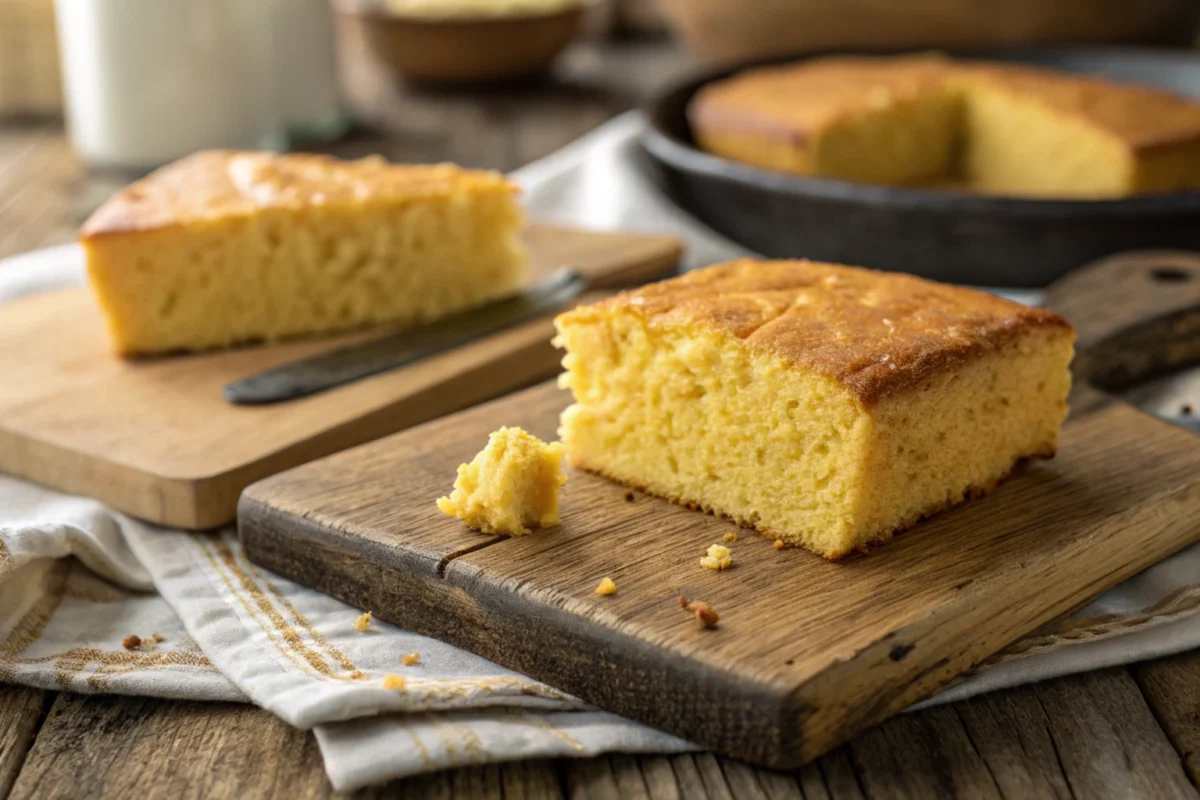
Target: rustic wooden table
pixel 1126 732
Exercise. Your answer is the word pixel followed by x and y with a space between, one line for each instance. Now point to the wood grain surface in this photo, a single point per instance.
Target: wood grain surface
pixel 808 653
pixel 1089 736
pixel 154 437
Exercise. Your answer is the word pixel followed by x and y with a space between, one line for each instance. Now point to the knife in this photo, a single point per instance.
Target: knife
pixel 348 364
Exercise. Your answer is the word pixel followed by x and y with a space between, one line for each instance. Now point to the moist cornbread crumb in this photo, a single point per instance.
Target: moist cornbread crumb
pixel 410 659
pixel 730 537
pixel 606 587
pixel 510 487
pixel 229 247
pixel 131 642
pixel 393 681
pixel 779 544
pixel 363 622
pixel 825 406
pixel 718 557
pixel 996 128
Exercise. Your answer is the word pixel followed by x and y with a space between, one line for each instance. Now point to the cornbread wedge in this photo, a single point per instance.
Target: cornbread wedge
pixel 510 487
pixel 825 406
pixel 229 247
pixel 1000 129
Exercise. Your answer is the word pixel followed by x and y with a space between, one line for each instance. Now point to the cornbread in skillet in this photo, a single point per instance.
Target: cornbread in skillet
pixel 876 120
pixel 510 487
pixel 1000 129
pixel 229 247
pixel 826 406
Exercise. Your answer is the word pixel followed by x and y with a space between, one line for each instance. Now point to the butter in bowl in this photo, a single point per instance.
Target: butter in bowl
pixel 467 41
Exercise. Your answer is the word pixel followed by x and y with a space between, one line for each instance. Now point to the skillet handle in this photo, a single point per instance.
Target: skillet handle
pixel 1137 315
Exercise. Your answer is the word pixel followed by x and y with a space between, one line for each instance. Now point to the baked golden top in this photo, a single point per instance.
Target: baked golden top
pixel 220 184
pixel 1141 116
pixel 877 333
pixel 797 100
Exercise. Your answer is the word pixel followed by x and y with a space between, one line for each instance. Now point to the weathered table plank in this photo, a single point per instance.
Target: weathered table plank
pixel 21 712
pixel 1085 736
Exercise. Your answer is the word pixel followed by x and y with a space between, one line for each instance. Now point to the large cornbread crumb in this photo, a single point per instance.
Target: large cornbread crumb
pixel 391 681
pixel 718 557
pixel 229 247
pixel 825 406
pixel 362 622
pixel 510 487
pixel 606 587
pixel 410 659
pixel 1001 129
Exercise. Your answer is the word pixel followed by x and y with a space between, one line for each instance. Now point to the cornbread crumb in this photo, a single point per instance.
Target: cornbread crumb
pixel 363 622
pixel 393 681
pixel 779 545
pixel 410 659
pixel 510 487
pixel 606 587
pixel 730 537
pixel 719 557
pixel 131 642
pixel 706 615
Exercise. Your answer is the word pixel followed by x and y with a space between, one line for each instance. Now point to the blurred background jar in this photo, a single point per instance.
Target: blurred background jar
pixel 149 81
pixel 736 30
pixel 29 72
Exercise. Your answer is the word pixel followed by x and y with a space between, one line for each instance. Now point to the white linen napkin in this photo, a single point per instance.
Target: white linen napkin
pixel 76 579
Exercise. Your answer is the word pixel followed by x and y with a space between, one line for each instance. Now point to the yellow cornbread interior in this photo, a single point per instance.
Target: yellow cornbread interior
pixel 285 272
pixel 1016 145
pixel 697 417
pixel 510 487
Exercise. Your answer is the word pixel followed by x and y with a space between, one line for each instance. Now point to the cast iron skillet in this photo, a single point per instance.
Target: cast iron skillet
pixel 965 238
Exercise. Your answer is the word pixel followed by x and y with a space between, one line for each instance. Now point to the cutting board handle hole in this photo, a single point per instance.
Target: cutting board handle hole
pixel 1170 275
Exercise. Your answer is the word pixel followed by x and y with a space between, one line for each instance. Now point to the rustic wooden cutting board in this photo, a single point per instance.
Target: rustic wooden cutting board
pixel 807 652
pixel 154 438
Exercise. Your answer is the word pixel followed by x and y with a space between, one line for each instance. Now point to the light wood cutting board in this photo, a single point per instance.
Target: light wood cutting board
pixel 807 652
pixel 154 438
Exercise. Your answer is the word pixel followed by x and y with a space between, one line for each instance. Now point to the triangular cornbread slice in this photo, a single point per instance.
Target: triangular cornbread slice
pixel 824 405
pixel 228 247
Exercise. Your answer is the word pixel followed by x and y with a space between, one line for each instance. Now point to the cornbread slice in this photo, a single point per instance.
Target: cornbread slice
pixel 1043 133
pixel 876 120
pixel 998 129
pixel 229 247
pixel 825 406
pixel 510 487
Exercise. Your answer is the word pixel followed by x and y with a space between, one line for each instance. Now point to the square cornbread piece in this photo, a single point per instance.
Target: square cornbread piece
pixel 993 128
pixel 826 406
pixel 876 120
pixel 229 247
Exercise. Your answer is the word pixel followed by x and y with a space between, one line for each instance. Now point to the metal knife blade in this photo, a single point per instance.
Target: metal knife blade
pixel 317 374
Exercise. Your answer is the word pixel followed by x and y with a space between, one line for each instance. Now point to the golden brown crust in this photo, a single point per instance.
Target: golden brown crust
pixel 795 102
pixel 221 184
pixel 1140 116
pixel 877 333
pixel 970 493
